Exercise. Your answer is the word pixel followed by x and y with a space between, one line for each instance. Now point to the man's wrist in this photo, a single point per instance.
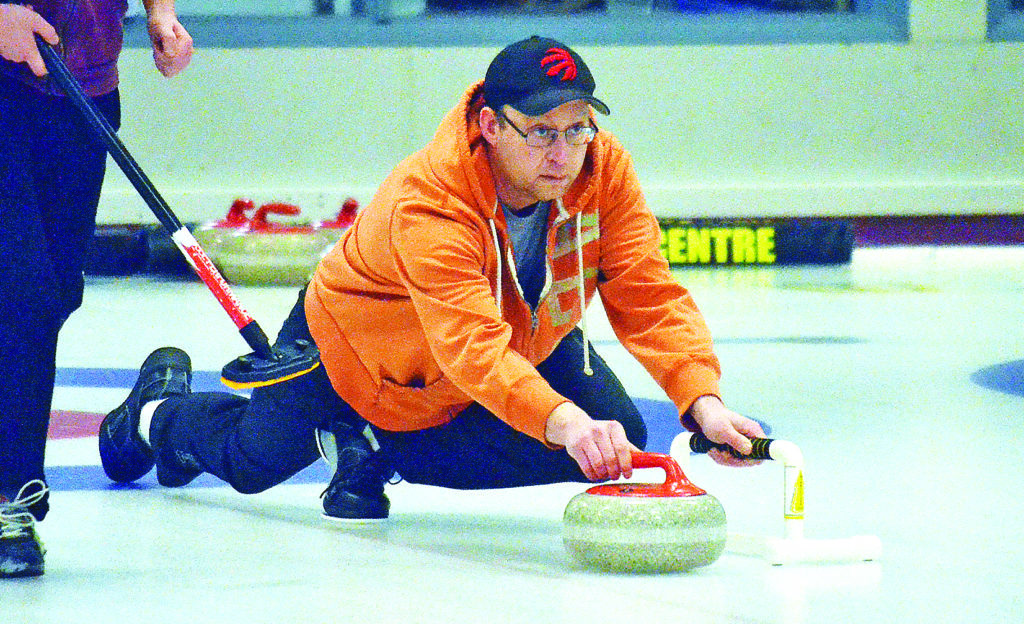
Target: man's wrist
pixel 554 430
pixel 699 410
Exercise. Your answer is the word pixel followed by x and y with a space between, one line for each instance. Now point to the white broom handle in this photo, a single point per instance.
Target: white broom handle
pixel 782 451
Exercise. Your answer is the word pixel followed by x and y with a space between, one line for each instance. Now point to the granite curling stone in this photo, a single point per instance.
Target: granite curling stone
pixel 645 528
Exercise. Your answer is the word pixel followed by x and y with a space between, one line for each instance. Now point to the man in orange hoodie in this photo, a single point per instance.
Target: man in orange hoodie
pixel 450 320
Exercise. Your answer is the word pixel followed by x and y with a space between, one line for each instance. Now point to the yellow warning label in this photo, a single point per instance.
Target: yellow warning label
pixel 687 244
pixel 795 509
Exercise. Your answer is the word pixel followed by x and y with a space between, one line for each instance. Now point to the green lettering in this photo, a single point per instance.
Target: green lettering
pixel 743 245
pixel 698 244
pixel 766 245
pixel 676 246
pixel 720 237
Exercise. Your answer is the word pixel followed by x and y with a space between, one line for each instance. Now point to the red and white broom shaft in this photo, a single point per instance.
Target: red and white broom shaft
pixel 250 330
pixel 213 279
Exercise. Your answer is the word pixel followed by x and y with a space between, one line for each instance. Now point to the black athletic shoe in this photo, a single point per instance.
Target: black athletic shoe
pixel 357 490
pixel 21 551
pixel 125 456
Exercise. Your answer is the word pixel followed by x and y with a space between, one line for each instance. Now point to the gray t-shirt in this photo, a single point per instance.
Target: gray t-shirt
pixel 528 233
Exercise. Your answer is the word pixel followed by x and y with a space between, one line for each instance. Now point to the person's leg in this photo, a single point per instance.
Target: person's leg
pixel 477 450
pixel 50 179
pixel 600 395
pixel 252 444
pixel 69 163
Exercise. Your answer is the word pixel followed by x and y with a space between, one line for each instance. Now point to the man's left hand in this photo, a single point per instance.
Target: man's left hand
pixel 724 426
pixel 172 45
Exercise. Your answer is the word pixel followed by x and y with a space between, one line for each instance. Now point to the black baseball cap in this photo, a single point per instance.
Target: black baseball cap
pixel 537 74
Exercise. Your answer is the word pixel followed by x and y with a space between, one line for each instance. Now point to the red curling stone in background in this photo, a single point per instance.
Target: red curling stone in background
pixel 259 252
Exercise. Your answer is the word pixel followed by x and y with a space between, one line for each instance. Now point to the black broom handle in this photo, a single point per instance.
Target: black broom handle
pixel 699 443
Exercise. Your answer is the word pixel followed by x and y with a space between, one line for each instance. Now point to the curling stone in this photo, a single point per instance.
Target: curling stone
pixel 260 252
pixel 645 527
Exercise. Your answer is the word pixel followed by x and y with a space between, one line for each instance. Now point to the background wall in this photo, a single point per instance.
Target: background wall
pixel 933 126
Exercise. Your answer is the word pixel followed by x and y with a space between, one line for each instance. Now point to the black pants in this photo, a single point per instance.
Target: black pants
pixel 258 443
pixel 51 172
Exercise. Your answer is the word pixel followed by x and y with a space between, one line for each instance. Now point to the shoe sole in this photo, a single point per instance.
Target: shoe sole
pixel 353 521
pixel 22 574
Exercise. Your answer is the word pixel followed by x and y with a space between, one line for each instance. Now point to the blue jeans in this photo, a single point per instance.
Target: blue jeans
pixel 256 443
pixel 51 172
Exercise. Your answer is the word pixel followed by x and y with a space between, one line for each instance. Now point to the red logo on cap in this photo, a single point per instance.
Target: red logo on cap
pixel 562 60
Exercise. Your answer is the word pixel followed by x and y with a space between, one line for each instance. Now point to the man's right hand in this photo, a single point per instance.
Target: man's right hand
pixel 600 447
pixel 18 25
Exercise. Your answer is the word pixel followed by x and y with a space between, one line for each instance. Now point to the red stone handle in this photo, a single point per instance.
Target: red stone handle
pixel 676 483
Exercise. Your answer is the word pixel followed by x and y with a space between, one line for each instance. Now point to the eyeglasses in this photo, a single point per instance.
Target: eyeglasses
pixel 544 137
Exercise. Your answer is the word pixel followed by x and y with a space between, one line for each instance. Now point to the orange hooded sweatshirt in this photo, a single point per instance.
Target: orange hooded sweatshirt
pixel 417 310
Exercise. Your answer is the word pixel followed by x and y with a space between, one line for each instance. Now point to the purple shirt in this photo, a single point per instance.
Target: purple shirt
pixel 91 35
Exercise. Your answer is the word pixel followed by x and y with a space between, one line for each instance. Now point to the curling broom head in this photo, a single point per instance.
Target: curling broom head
pixel 288 361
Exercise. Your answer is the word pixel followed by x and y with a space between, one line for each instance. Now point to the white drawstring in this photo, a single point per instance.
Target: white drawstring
pixel 580 285
pixel 497 253
pixel 581 289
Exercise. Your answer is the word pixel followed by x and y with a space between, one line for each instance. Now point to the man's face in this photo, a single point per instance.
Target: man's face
pixel 524 175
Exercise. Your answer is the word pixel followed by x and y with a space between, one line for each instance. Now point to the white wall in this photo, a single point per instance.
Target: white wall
pixel 932 126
